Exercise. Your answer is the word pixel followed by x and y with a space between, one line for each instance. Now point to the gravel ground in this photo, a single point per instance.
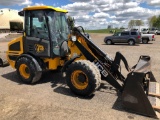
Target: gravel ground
pixel 51 99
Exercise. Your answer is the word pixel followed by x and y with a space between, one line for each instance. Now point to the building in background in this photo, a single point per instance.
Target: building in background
pixel 10 21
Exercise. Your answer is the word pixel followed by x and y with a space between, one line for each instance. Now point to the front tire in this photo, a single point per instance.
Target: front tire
pixel 27 71
pixel 108 42
pixel 83 77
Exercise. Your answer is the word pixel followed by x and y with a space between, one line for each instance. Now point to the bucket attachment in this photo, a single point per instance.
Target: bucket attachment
pixel 141 90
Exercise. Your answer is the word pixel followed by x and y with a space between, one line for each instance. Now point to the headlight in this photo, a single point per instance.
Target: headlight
pixel 73 38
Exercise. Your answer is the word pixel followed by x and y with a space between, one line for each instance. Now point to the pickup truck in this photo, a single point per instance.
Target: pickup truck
pixel 145 31
pixel 153 31
pixel 147 37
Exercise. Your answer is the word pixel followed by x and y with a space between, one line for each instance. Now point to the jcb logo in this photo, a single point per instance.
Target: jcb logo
pixel 101 69
pixel 39 48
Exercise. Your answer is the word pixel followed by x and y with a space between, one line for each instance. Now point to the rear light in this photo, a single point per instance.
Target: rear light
pixel 152 36
pixel 139 36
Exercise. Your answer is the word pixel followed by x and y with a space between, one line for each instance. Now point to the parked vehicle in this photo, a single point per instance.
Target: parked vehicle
pixel 130 37
pixel 158 32
pixel 153 31
pixel 145 31
pixel 147 37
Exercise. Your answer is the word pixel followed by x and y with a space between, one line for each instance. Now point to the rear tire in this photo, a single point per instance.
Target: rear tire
pixel 27 71
pixel 145 41
pixel 83 77
pixel 131 42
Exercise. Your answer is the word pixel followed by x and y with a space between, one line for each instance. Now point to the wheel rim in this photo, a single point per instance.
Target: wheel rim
pixel 24 71
pixel 108 42
pixel 79 79
pixel 144 41
pixel 131 42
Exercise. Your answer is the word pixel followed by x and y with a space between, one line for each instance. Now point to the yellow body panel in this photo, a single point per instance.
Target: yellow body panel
pixel 16 53
pixel 75 51
pixel 54 63
pixel 45 7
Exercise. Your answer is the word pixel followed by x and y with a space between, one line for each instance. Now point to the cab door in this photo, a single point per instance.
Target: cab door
pixel 36 38
pixel 124 37
pixel 116 37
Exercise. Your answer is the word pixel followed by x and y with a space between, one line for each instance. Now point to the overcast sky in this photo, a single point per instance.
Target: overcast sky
pixel 96 14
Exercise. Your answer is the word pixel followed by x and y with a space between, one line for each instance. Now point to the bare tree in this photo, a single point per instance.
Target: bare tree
pixel 139 23
pixel 131 24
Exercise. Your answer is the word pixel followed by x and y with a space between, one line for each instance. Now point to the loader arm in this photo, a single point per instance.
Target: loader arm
pixel 107 66
pixel 139 88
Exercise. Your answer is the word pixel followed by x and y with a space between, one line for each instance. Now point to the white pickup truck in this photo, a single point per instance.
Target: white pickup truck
pixel 154 31
pixel 147 37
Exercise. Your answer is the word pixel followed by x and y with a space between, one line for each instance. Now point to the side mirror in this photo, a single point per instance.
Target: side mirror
pixel 21 13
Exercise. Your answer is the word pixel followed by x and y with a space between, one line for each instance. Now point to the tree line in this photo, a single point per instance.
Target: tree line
pixel 133 23
pixel 153 21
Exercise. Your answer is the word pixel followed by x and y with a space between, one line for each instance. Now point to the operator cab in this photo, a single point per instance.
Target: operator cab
pixel 45 31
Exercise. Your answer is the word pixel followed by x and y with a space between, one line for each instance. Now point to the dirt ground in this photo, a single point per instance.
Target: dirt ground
pixel 51 99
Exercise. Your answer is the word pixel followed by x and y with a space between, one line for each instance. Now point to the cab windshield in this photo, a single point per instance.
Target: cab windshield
pixel 47 24
pixel 58 26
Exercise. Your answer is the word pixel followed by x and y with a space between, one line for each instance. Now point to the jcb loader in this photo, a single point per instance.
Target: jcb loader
pixel 48 43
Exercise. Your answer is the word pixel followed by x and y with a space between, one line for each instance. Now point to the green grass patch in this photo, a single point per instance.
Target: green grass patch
pixel 103 31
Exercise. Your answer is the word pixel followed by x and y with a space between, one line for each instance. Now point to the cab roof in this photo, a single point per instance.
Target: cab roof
pixel 45 7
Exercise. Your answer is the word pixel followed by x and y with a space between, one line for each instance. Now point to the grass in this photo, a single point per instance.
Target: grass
pixel 102 31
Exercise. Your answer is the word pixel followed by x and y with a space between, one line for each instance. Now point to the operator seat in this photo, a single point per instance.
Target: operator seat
pixel 64 49
pixel 34 32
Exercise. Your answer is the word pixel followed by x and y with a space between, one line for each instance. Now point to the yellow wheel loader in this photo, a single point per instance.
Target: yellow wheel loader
pixel 48 43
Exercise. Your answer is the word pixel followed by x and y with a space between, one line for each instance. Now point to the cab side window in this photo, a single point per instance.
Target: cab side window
pixel 124 33
pixel 36 24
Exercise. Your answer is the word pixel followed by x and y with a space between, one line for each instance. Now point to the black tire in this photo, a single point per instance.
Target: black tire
pixel 145 41
pixel 108 42
pixel 131 42
pixel 97 73
pixel 83 77
pixel 27 71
